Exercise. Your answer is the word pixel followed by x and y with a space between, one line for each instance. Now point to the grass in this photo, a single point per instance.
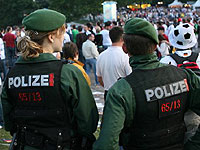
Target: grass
pixel 4 135
pixel 2 147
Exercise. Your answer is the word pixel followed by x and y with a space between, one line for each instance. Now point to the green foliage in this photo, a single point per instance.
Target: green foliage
pixel 12 12
pixel 74 9
pixel 4 135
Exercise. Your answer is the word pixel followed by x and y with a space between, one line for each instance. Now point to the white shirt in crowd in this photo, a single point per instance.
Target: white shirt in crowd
pixel 106 38
pixel 112 64
pixel 89 50
pixel 163 49
pixel 184 53
pixel 22 34
pixel 66 38
pixel 2 49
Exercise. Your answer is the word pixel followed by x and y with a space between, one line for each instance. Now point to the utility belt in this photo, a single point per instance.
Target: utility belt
pixel 33 138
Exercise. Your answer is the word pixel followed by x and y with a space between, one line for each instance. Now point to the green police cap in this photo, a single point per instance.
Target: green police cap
pixel 141 27
pixel 43 20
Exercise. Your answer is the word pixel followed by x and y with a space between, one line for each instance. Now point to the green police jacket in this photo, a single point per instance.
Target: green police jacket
pixel 74 90
pixel 120 106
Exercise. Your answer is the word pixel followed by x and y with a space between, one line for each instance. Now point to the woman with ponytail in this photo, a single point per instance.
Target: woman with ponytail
pixel 47 104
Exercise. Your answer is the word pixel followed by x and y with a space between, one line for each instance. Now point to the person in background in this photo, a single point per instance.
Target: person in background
pixel 113 59
pixel 80 39
pixel 47 104
pixel 2 74
pixel 74 32
pixel 9 40
pixel 145 110
pixel 99 40
pixel 90 53
pixel 3 60
pixel 66 37
pixel 163 47
pixel 183 39
pixel 91 29
pixel 70 54
pixel 2 32
pixel 105 33
pixel 161 31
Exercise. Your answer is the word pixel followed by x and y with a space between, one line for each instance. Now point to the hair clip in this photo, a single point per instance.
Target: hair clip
pixel 36 33
pixel 28 37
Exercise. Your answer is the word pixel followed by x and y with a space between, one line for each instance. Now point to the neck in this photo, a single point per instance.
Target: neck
pixel 47 48
pixel 117 44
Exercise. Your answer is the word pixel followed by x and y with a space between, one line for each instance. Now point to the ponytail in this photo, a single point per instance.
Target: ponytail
pixel 28 48
pixel 30 45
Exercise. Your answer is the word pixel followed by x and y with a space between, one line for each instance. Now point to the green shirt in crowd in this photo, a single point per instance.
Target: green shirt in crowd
pixel 74 34
pixel 120 106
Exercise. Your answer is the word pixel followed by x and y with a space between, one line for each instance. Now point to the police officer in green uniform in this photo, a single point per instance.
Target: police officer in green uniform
pixel 145 110
pixel 47 105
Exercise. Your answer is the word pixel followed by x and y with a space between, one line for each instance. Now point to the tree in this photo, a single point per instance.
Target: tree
pixel 13 12
pixel 74 9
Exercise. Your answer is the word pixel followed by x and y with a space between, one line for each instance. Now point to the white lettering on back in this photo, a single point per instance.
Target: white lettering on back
pixel 44 80
pixel 17 82
pixel 10 82
pixel 23 82
pixel 149 93
pixel 36 78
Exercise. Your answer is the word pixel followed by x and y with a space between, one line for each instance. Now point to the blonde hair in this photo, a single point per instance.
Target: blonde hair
pixel 30 45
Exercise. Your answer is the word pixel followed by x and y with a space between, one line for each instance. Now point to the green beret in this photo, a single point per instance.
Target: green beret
pixel 43 20
pixel 141 27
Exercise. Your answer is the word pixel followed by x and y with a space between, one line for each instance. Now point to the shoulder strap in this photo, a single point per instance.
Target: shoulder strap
pixel 193 57
pixel 179 60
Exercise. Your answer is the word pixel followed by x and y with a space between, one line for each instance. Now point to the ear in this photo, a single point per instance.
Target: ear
pixel 124 48
pixel 155 47
pixel 51 38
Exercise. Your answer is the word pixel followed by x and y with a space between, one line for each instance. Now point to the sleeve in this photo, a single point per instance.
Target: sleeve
pixel 198 61
pixel 194 104
pixel 118 110
pixel 78 41
pixel 84 111
pixel 7 108
pixel 95 53
pixel 4 38
pixel 127 66
pixel 98 68
pixel 14 36
pixel 168 60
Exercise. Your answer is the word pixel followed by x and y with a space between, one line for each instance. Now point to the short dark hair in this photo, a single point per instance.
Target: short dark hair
pixel 80 28
pixel 89 35
pixel 116 33
pixel 89 25
pixel 108 23
pixel 161 28
pixel 73 26
pixel 161 37
pixel 8 28
pixel 70 50
pixel 115 23
pixel 138 45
